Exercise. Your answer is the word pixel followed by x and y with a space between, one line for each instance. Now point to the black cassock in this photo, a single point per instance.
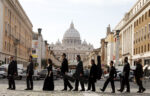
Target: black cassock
pixel 12 72
pixel 49 82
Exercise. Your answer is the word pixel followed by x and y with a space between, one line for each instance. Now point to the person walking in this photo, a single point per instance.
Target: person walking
pixel 79 74
pixel 49 82
pixel 112 76
pixel 12 72
pixel 93 76
pixel 30 72
pixel 64 70
pixel 139 76
pixel 125 77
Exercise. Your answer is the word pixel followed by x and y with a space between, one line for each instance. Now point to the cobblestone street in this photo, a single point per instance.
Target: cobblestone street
pixel 21 85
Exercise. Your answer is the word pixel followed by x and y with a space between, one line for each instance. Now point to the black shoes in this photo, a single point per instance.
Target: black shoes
pixel 113 92
pixel 64 90
pixel 71 88
pixel 82 90
pixel 120 90
pixel 143 90
pixel 11 88
pixel 102 90
pixel 29 89
pixel 93 90
pixel 75 90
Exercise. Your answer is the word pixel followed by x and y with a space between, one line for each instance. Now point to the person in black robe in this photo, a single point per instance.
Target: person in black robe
pixel 139 75
pixel 49 82
pixel 93 76
pixel 30 72
pixel 79 74
pixel 12 72
pixel 64 70
pixel 125 77
pixel 112 76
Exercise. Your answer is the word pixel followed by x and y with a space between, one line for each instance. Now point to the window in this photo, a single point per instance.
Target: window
pixel 148 47
pixel 142 18
pixel 149 28
pixel 145 15
pixel 145 48
pixel 145 32
pixel 142 49
pixel 149 12
pixel 139 20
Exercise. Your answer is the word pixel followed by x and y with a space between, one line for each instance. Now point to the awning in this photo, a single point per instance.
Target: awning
pixel 34 56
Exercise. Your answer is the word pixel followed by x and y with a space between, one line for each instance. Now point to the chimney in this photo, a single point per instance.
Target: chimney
pixel 39 31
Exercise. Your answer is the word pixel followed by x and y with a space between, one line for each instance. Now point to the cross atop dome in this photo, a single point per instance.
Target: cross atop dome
pixel 72 25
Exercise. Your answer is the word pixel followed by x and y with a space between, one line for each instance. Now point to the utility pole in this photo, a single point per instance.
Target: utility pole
pixel 117 47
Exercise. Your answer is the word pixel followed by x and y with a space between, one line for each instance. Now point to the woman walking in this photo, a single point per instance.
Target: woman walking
pixel 49 82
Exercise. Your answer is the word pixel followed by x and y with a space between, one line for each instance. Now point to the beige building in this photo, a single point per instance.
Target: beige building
pixel 15 32
pixel 134 32
pixel 142 32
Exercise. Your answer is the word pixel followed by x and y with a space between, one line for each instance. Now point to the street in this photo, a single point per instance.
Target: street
pixel 21 85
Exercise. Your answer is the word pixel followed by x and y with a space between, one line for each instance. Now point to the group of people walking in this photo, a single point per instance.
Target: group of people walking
pixel 78 76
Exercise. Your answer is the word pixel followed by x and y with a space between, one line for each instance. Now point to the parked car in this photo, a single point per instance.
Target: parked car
pixel 131 77
pixel 55 75
pixel 42 74
pixel 36 76
pixel 24 75
pixel 3 73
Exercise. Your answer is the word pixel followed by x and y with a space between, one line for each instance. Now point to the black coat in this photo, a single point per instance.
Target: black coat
pixel 126 70
pixel 30 70
pixel 79 69
pixel 112 72
pixel 138 71
pixel 12 68
pixel 93 72
pixel 64 66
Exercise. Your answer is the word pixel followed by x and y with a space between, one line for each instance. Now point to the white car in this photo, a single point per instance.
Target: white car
pixel 3 72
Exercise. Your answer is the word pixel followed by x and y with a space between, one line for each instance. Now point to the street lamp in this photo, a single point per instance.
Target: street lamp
pixel 16 42
pixel 117 46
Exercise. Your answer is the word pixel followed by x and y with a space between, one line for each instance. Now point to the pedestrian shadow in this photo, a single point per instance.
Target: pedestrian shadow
pixel 55 91
pixel 99 93
pixel 123 94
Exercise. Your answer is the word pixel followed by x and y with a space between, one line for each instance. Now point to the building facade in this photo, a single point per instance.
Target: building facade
pixel 72 45
pixel 142 32
pixel 134 38
pixel 15 32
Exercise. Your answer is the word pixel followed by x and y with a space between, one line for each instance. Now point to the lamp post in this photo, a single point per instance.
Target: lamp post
pixel 117 47
pixel 16 42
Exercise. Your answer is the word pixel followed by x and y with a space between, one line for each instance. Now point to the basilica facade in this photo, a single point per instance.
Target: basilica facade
pixel 72 45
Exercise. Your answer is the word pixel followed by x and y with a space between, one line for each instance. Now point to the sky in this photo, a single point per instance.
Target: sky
pixel 90 17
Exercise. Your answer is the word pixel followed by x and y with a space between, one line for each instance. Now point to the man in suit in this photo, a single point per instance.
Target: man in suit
pixel 12 72
pixel 93 76
pixel 125 77
pixel 112 76
pixel 139 75
pixel 79 74
pixel 30 72
pixel 64 70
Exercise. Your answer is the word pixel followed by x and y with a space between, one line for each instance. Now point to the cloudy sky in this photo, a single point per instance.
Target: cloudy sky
pixel 90 17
